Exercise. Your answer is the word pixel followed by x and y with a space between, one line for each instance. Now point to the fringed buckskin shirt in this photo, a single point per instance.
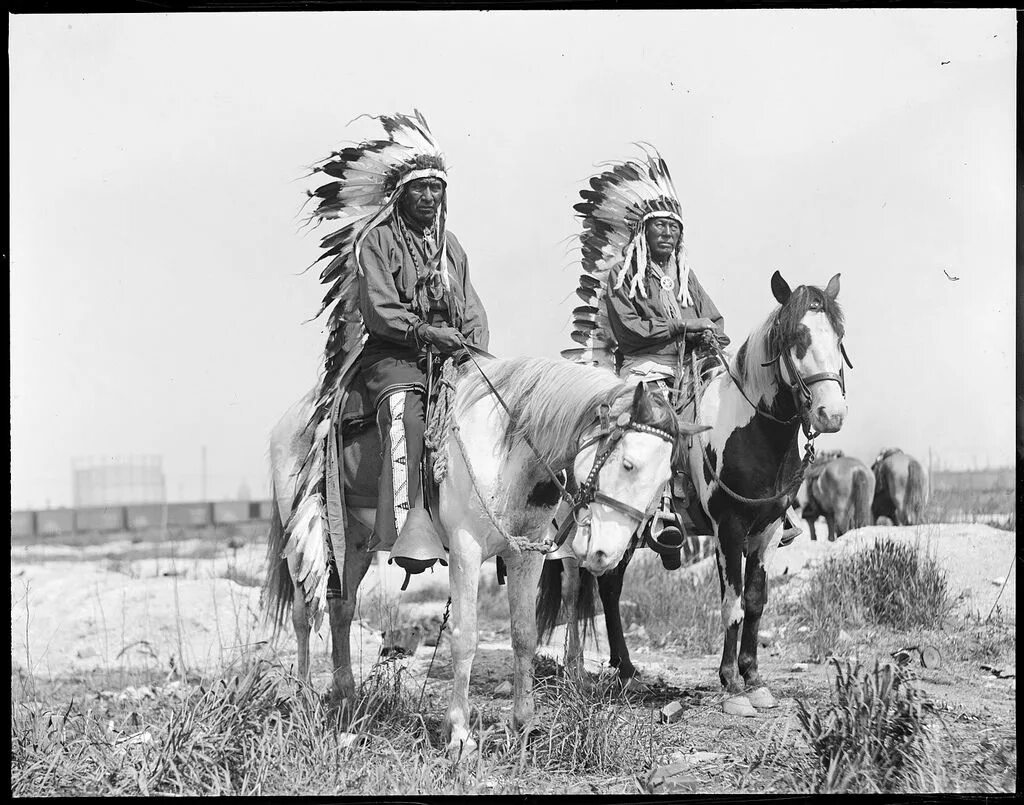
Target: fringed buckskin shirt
pixel 387 294
pixel 641 324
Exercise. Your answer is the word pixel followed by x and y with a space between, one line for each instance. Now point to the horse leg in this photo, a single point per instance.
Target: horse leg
pixel 523 577
pixel 810 525
pixel 729 557
pixel 465 557
pixel 300 620
pixel 755 596
pixel 573 660
pixel 357 562
pixel 610 588
pixel 831 520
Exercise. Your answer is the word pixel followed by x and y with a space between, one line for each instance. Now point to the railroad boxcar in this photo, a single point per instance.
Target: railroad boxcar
pixel 100 518
pixel 55 521
pixel 23 524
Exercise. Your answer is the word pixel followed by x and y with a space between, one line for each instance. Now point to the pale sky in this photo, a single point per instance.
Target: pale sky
pixel 156 164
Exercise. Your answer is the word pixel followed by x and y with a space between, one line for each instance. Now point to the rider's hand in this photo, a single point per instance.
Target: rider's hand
pixel 700 324
pixel 446 339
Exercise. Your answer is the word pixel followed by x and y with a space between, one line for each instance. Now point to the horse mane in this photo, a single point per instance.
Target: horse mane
pixel 780 330
pixel 554 402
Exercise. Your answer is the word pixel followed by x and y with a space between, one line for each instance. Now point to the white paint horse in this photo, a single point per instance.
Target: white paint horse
pixel 494 477
pixel 788 373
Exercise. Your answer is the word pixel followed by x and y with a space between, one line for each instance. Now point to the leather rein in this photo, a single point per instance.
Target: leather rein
pixel 801 390
pixel 607 440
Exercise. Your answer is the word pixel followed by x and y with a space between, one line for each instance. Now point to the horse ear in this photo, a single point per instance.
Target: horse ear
pixel 832 289
pixel 639 398
pixel 780 288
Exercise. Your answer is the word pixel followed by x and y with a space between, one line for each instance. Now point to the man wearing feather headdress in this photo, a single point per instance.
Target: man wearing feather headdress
pixel 401 301
pixel 418 304
pixel 647 314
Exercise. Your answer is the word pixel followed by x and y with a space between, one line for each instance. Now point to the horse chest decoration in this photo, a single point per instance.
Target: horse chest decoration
pixel 787 375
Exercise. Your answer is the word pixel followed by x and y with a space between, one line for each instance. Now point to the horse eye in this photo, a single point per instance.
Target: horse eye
pixel 627 465
pixel 815 305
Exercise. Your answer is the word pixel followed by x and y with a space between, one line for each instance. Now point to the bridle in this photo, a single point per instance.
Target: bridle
pixel 800 386
pixel 607 440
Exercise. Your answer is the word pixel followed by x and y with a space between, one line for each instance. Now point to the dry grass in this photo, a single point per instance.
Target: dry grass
pixel 890 583
pixel 996 507
pixel 872 737
pixel 681 608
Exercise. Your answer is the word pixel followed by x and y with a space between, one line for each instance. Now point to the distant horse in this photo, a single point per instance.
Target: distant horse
pixel 787 374
pixel 614 440
pixel 838 488
pixel 901 488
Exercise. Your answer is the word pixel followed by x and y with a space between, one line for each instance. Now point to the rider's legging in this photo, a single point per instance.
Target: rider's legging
pixel 398 386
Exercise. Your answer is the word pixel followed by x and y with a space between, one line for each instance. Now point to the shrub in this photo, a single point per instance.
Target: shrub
pixel 871 738
pixel 891 583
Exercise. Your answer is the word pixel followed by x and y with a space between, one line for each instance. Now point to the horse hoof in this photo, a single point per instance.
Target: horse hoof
pixel 633 684
pixel 461 751
pixel 738 705
pixel 761 698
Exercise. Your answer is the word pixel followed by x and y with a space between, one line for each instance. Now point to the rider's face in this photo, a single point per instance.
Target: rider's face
pixel 421 200
pixel 662 238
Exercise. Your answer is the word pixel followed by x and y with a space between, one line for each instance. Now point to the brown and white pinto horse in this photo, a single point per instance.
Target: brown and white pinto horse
pixel 787 374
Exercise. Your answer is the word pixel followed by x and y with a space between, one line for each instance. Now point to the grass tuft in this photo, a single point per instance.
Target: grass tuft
pixel 890 583
pixel 872 737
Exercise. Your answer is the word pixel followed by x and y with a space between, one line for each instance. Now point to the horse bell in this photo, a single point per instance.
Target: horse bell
pixel 418 545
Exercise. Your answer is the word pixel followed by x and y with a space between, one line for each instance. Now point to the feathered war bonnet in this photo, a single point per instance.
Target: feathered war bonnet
pixel 615 211
pixel 368 182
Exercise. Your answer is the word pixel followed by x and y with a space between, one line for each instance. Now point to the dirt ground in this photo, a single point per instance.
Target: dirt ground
pixel 153 605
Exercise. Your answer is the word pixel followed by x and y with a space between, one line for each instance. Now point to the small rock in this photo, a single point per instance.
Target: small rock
pixel 86 652
pixel 996 582
pixel 671 779
pixel 844 636
pixel 504 689
pixel 766 637
pixel 347 739
pixel 804 629
pixel 670 713
pixel 144 737
pixel 799 667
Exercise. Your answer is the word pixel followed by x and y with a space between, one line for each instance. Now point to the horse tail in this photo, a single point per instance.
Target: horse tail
pixel 916 493
pixel 586 608
pixel 278 589
pixel 863 492
pixel 549 600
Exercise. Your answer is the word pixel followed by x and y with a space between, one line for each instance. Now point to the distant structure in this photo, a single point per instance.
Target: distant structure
pixel 118 481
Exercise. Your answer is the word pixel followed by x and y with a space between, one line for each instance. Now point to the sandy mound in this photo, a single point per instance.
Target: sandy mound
pixel 976 557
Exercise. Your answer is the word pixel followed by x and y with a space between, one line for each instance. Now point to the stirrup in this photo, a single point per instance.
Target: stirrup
pixel 665 536
pixel 790 531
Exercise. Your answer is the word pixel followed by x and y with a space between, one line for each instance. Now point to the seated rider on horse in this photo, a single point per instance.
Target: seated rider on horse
pixel 402 303
pixel 419 307
pixel 654 310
